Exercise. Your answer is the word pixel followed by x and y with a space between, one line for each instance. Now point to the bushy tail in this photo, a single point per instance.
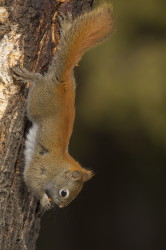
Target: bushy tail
pixel 77 37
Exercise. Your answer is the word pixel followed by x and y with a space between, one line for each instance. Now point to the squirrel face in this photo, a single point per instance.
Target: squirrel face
pixel 64 187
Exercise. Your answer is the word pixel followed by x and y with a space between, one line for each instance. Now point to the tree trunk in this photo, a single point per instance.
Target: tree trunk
pixel 29 33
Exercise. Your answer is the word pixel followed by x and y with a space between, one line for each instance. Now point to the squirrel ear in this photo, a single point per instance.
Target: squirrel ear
pixel 87 175
pixel 75 175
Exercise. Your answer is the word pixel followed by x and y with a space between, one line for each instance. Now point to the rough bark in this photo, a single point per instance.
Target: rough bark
pixel 29 33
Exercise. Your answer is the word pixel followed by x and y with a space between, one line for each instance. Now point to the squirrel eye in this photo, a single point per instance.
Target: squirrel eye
pixel 64 193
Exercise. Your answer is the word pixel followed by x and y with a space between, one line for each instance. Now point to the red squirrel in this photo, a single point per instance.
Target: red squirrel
pixel 50 172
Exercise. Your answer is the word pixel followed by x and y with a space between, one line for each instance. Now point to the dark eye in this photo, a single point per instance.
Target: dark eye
pixel 64 193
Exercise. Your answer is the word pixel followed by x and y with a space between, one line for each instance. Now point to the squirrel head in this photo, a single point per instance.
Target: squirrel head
pixel 66 185
pixel 56 181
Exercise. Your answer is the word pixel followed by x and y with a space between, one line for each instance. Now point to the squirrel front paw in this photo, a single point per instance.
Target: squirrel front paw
pixel 45 202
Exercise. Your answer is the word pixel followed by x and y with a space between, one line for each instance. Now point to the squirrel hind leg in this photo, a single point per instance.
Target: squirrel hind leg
pixel 25 75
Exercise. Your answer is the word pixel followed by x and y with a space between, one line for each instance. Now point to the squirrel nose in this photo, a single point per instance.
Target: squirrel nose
pixel 61 205
pixel 58 203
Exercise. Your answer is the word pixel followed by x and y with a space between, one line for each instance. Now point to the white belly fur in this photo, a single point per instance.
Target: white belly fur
pixel 30 144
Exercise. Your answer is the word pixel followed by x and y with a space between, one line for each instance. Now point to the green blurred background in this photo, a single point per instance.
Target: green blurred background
pixel 120 133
